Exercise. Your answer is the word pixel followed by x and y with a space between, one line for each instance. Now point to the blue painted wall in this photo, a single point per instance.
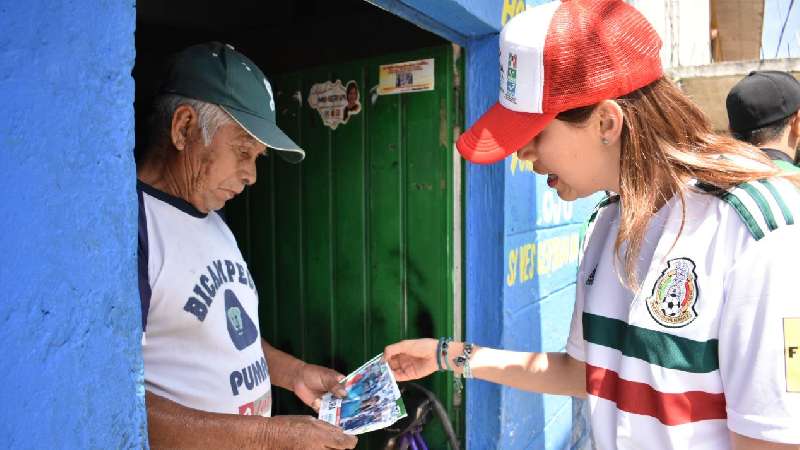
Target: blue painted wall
pixel 541 252
pixel 483 209
pixel 71 373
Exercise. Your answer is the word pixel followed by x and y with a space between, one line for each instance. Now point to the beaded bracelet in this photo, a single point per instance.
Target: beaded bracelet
pixel 445 345
pixel 439 354
pixel 462 360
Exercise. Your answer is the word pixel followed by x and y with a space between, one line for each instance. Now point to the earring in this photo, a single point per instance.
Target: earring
pixel 604 141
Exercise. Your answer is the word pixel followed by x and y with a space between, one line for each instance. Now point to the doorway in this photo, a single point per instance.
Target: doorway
pixel 359 245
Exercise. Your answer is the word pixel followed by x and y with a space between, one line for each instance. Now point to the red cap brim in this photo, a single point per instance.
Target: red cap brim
pixel 499 133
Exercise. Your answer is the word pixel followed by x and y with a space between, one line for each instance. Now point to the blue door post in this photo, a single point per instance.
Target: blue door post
pixel 70 326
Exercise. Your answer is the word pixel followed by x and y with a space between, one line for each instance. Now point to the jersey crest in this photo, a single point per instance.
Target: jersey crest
pixel 672 303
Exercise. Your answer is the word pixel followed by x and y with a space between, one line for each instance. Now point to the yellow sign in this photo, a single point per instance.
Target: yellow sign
pixel 543 257
pixel 408 76
pixel 510 9
pixel 518 165
pixel 791 339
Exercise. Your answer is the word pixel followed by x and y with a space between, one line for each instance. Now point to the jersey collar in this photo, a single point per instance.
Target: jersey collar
pixel 777 155
pixel 177 202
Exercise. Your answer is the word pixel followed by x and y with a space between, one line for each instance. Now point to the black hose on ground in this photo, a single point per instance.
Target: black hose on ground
pixel 431 403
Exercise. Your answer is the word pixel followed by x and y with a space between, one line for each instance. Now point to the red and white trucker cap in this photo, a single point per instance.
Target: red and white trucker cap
pixel 556 57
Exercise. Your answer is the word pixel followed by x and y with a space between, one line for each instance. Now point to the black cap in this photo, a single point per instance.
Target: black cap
pixel 762 98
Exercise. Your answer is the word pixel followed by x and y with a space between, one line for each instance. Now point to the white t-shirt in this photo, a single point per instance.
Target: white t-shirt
pixel 702 348
pixel 201 343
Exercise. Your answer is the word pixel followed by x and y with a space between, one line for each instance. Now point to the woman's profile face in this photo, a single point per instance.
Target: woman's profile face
pixel 352 96
pixel 573 157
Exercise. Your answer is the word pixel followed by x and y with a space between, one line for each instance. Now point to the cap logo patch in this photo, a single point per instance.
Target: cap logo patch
pixel 269 90
pixel 511 78
pixel 672 303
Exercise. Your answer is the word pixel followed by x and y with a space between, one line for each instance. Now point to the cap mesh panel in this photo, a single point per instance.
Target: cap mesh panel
pixel 596 50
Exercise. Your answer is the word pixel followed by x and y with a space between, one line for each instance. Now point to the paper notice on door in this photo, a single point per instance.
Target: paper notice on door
pixel 408 76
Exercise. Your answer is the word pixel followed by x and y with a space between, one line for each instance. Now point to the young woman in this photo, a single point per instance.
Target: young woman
pixel 686 303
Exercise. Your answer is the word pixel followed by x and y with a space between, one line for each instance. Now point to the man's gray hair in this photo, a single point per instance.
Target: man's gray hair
pixel 209 116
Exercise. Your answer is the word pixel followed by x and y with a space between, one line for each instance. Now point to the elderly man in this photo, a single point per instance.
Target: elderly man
pixel 208 373
pixel 764 110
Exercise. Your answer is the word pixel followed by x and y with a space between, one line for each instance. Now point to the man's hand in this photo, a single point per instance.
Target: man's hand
pixel 313 381
pixel 173 426
pixel 307 433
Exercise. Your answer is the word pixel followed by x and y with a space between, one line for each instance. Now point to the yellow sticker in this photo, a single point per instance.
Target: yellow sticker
pixel 791 339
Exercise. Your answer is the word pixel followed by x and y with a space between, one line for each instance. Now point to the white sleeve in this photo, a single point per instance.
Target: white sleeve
pixel 576 347
pixel 760 294
pixel 575 343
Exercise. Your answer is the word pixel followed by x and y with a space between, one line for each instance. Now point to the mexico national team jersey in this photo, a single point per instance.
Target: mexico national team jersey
pixel 201 343
pixel 706 345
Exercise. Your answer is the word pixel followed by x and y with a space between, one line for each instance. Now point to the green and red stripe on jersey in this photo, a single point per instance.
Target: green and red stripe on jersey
pixel 640 398
pixel 659 349
pixel 654 347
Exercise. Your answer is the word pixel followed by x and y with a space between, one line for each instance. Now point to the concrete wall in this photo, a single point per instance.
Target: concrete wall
pixel 708 86
pixel 70 324
pixel 739 24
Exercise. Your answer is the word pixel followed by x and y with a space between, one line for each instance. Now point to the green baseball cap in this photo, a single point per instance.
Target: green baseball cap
pixel 216 73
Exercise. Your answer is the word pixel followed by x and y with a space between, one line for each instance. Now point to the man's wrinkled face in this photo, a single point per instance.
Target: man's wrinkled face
pixel 221 170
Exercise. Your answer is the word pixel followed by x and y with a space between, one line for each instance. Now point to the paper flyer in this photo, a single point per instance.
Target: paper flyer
pixel 373 400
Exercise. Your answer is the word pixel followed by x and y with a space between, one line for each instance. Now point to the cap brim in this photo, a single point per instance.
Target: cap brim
pixel 267 133
pixel 499 133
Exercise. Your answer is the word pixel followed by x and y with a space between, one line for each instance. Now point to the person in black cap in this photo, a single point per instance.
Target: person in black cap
pixel 764 110
pixel 207 371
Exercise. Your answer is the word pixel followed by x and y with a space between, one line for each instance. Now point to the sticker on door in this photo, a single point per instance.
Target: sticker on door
pixel 335 103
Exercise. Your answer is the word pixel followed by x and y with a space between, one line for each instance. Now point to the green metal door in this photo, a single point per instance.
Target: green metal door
pixel 357 247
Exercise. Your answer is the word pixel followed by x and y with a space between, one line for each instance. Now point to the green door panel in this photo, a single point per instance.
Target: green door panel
pixel 353 248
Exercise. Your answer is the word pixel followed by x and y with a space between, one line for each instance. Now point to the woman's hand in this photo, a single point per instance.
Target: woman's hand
pixel 412 359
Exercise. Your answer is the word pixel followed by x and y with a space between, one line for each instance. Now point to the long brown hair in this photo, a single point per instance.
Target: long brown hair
pixel 665 141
